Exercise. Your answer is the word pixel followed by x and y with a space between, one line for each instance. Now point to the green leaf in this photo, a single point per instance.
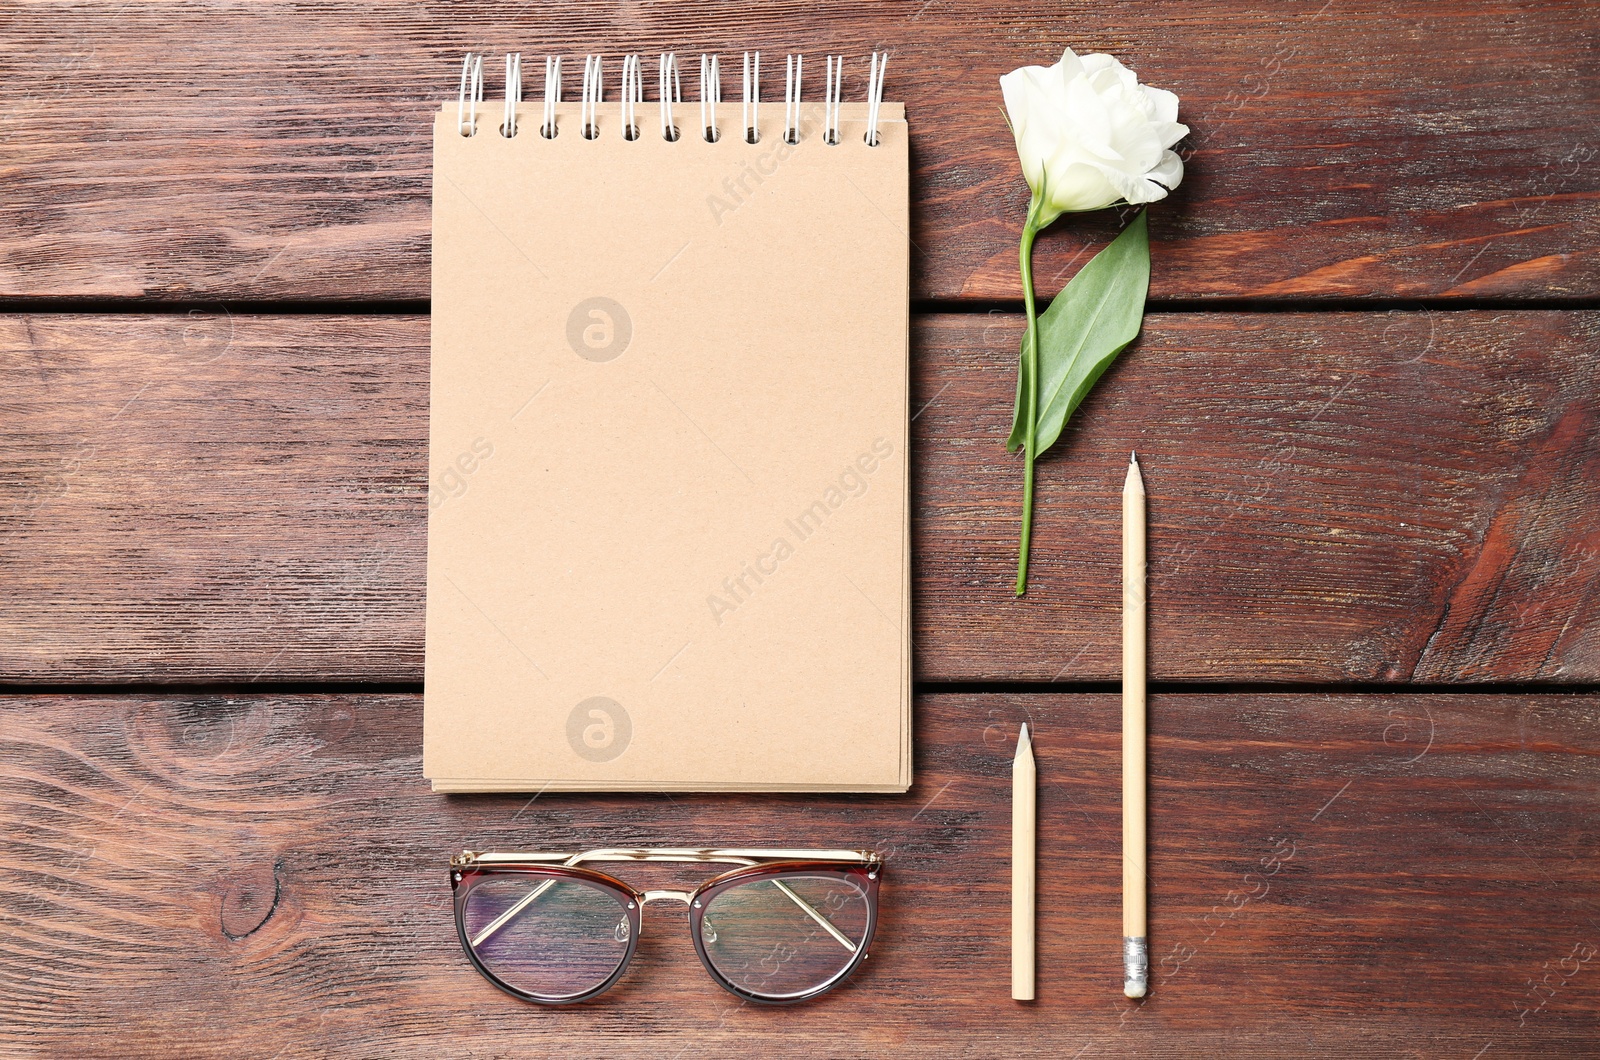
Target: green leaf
pixel 1086 326
pixel 1019 432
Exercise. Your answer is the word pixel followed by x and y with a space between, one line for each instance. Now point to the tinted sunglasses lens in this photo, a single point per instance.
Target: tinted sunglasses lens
pixel 787 937
pixel 553 938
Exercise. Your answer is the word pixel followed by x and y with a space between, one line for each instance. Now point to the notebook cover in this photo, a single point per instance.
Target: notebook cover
pixel 668 542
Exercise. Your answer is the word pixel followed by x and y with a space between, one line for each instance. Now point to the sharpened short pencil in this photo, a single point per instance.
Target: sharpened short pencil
pixel 1024 830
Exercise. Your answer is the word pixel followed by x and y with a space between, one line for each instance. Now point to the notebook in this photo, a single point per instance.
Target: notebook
pixel 668 542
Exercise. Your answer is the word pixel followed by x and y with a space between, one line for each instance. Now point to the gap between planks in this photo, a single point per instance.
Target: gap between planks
pixel 421 307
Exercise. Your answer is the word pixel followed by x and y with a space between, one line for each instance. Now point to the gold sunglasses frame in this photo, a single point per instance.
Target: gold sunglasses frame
pixel 469 864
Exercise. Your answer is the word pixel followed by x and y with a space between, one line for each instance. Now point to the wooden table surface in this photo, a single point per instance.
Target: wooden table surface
pixel 1365 398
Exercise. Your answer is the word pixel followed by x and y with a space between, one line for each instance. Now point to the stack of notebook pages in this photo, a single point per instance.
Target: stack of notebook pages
pixel 668 537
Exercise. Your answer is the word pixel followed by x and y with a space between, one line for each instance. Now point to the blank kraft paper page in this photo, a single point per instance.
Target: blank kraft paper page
pixel 668 521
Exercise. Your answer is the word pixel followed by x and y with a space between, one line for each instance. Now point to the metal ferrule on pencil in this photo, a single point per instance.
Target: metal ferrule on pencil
pixel 1135 966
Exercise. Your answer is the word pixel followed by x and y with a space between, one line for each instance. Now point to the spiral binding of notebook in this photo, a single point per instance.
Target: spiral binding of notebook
pixel 668 530
pixel 670 96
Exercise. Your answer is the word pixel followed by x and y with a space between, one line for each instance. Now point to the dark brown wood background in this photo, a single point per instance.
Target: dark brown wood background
pixel 1365 398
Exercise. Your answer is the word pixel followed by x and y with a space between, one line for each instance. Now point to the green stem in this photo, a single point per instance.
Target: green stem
pixel 1030 381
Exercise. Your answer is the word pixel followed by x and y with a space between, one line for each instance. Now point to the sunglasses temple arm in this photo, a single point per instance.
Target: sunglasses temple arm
pixel 515 911
pixel 810 911
pixel 511 914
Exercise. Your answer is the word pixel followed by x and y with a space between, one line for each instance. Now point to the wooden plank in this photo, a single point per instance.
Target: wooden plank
pixel 1331 876
pixel 1334 497
pixel 281 151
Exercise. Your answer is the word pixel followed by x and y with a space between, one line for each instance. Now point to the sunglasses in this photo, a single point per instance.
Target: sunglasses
pixel 785 926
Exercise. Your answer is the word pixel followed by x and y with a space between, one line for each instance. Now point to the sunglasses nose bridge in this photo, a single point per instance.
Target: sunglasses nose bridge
pixel 666 896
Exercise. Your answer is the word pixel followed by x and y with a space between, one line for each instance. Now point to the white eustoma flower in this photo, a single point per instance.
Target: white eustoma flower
pixel 1090 135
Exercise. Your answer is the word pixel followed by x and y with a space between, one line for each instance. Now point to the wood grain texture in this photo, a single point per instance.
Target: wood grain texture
pixel 280 150
pixel 1401 497
pixel 1334 497
pixel 1331 876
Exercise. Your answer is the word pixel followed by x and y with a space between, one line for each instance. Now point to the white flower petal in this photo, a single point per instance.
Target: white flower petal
pixel 1070 65
pixel 1100 62
pixel 1168 172
pixel 1084 114
pixel 1149 191
pixel 1133 188
pixel 1081 186
pixel 1144 105
pixel 1165 103
pixel 1169 133
pixel 1136 141
pixel 1043 79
